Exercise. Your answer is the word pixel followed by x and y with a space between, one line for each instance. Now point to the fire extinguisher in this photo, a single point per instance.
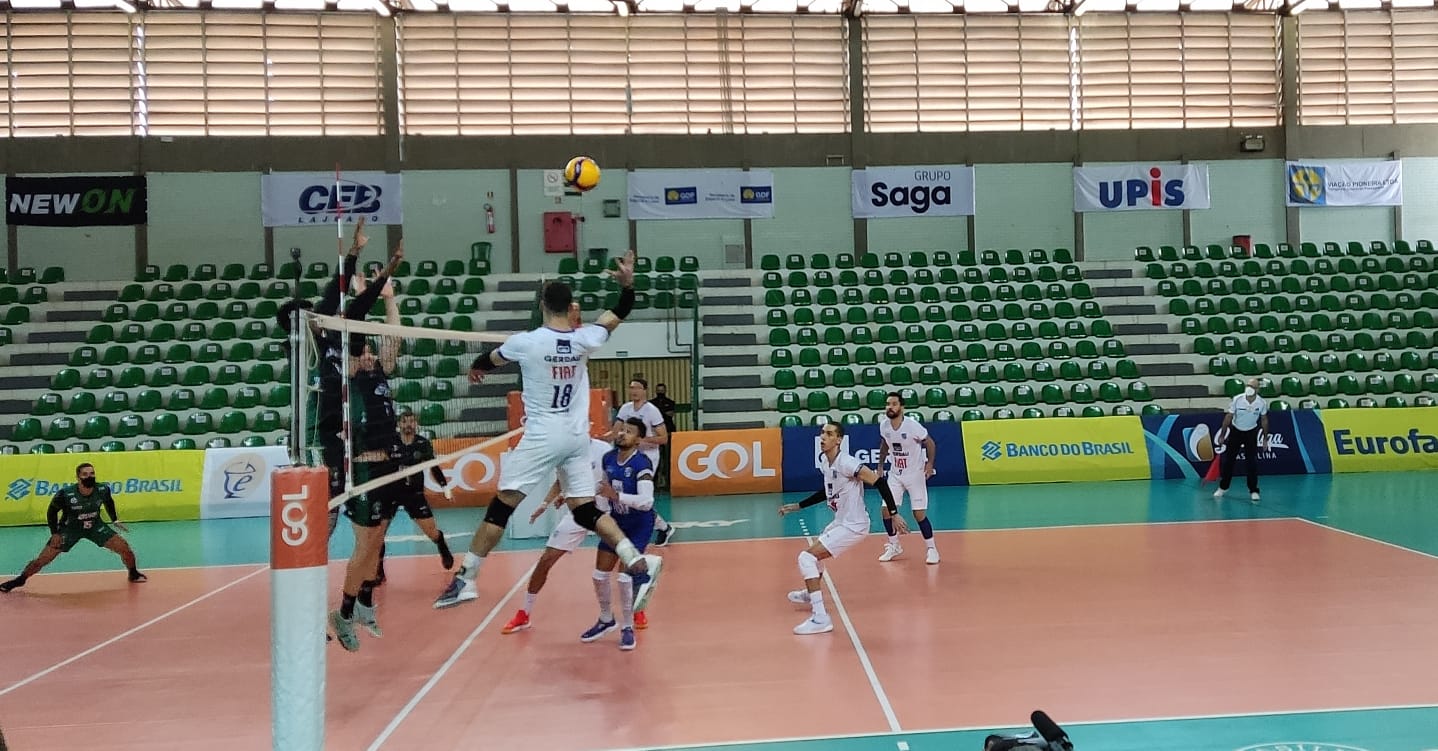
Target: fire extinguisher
pixel 489 218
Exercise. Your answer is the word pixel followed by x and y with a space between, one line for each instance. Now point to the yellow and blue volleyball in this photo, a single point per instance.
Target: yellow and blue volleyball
pixel 581 174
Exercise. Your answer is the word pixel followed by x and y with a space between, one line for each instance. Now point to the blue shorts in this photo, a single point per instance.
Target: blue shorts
pixel 638 526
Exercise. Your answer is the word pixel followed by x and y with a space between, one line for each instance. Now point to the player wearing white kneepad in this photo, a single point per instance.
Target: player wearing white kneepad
pixel 910 450
pixel 844 480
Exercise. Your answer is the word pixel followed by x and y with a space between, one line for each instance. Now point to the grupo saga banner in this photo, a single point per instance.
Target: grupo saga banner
pixel 236 481
pixel 726 462
pixel 1184 446
pixel 112 201
pixel 147 485
pixel 1344 183
pixel 1055 449
pixel 801 454
pixel 1140 187
pixel 701 194
pixel 299 199
pixel 943 190
pixel 1381 440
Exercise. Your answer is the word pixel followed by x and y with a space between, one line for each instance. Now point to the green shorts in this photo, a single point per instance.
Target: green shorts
pixel 367 509
pixel 98 534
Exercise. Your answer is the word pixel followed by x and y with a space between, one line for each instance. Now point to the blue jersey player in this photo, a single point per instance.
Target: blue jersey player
pixel 629 487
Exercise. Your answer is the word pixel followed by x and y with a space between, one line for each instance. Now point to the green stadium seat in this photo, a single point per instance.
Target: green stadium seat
pixel 215 398
pixel 27 429
pixel 232 422
pixel 81 403
pixel 47 405
pixel 60 429
pixel 788 402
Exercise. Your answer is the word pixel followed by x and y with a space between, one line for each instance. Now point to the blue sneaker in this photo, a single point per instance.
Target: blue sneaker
pixel 626 639
pixel 459 590
pixel 600 628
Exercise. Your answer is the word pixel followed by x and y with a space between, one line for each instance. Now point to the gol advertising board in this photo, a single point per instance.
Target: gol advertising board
pixel 147 485
pixel 1381 440
pixel 1055 449
pixel 1184 446
pixel 801 454
pixel 725 462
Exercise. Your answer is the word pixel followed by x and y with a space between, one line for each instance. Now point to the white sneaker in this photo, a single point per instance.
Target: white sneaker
pixel 799 597
pixel 891 551
pixel 932 557
pixel 1219 493
pixel 1253 497
pixel 654 564
pixel 814 626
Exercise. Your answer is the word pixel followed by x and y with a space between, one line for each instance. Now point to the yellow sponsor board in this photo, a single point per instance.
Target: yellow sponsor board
pixel 1381 440
pixel 1059 449
pixel 147 485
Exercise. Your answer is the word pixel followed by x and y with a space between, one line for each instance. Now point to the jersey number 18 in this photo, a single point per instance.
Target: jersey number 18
pixel 562 395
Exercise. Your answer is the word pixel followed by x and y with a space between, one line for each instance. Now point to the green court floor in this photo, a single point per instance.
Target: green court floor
pixel 1396 508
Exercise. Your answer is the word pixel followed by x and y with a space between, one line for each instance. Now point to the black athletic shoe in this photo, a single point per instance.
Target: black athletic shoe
pixel 137 577
pixel 15 583
pixel 661 536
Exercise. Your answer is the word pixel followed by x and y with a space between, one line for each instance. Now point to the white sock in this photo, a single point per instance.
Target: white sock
pixel 471 566
pixel 893 539
pixel 930 542
pixel 660 524
pixel 816 602
pixel 604 594
pixel 529 598
pixel 626 601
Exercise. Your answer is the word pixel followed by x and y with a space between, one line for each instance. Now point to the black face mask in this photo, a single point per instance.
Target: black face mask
pixel 87 482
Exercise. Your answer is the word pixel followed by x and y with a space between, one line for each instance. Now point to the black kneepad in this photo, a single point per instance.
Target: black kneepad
pixel 498 513
pixel 587 515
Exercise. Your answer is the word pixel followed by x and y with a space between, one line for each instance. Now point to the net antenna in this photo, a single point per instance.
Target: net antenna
pixel 344 340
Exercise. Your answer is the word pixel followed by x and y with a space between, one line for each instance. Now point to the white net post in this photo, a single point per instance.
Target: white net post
pixel 299 558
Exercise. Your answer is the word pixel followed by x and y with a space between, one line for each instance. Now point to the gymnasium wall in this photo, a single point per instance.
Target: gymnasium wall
pixel 197 217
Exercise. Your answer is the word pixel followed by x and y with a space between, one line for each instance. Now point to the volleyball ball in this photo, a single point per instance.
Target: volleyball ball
pixel 581 174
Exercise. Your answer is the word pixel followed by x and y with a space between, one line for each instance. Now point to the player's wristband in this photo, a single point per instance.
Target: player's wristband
pixel 484 362
pixel 625 306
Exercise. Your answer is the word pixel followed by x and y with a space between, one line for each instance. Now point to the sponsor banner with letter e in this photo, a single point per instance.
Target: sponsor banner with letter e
pixel 1381 440
pixel 99 201
pixel 942 190
pixel 301 199
pixel 701 194
pixel 1055 449
pixel 802 461
pixel 1141 187
pixel 237 481
pixel 726 462
pixel 1344 183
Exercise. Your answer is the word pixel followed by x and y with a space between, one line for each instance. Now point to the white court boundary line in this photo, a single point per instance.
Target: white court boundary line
pixel 770 538
pixel 999 727
pixel 869 672
pixel 1360 536
pixel 136 629
pixel 459 651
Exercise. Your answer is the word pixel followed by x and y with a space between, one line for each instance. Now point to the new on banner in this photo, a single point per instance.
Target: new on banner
pixel 1382 440
pixel 726 462
pixel 1056 449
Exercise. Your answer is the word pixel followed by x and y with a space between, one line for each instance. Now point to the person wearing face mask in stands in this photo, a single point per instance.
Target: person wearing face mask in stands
pixel 74 515
pixel 1245 421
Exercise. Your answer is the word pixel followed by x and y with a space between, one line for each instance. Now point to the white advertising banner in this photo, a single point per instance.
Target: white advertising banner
pixel 701 194
pixel 236 482
pixel 301 199
pixel 941 190
pixel 1345 184
pixel 1141 187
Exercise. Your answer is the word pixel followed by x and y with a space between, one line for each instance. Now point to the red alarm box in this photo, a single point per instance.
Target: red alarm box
pixel 560 232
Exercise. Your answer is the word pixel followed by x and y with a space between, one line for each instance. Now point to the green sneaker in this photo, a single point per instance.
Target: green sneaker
pixel 344 631
pixel 365 617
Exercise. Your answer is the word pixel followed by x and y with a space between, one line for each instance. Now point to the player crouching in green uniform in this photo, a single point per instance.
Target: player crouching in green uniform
pixel 74 515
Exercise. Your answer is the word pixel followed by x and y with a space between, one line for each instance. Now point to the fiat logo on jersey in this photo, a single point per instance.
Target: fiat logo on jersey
pixel 471 472
pixel 700 461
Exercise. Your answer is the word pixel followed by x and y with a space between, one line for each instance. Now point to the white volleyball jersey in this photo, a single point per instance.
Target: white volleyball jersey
pixel 906 444
pixel 845 492
pixel 554 365
pixel 652 418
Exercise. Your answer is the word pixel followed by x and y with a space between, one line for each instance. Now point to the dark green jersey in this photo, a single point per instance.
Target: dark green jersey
pixel 418 451
pixel 70 510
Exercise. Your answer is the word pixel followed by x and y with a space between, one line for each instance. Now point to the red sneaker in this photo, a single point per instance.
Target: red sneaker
pixel 519 622
pixel 641 621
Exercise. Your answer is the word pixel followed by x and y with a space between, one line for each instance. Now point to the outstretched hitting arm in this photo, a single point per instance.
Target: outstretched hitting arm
pixel 624 274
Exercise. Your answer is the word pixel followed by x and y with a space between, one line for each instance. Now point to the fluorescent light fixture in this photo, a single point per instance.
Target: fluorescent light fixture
pixel 1090 6
pixel 531 6
pixel 472 5
pixel 1156 6
pixel 319 5
pixel 1303 5
pixel 235 4
pixel 708 6
pixel 986 6
pixel 125 6
pixel 822 6
pixel 1033 6
pixel 1206 5
pixel 1412 3
pixel 930 6
pixel 34 3
pixel 1360 4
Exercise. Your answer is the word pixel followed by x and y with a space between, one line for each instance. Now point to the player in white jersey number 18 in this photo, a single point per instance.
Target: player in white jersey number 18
pixel 553 361
pixel 844 480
